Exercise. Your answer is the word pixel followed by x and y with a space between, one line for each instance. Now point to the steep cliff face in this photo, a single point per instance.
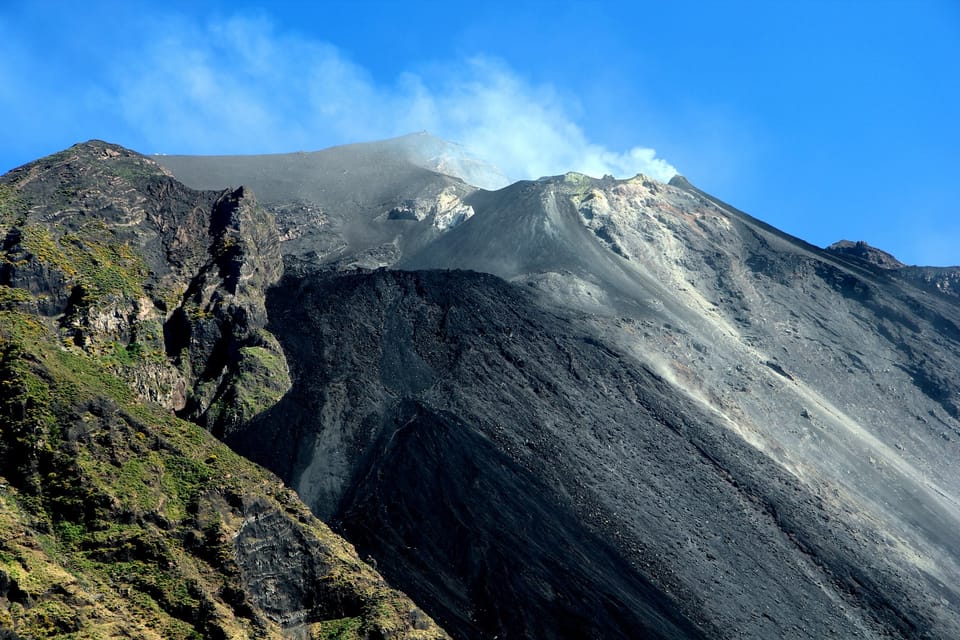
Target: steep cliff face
pixel 120 520
pixel 163 283
pixel 941 280
pixel 125 296
pixel 216 334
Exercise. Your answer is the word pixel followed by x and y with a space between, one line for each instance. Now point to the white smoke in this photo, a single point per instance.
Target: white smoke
pixel 239 86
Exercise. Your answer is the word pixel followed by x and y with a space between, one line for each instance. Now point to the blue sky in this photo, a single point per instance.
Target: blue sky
pixel 829 120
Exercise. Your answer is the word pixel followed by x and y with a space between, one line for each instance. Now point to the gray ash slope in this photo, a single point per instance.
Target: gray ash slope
pixel 661 414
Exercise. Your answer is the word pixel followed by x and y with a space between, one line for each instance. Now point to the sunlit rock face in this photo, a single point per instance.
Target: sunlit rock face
pixel 446 210
pixel 596 406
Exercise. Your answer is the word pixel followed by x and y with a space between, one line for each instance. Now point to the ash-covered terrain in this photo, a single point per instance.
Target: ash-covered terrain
pixel 764 431
pixel 567 408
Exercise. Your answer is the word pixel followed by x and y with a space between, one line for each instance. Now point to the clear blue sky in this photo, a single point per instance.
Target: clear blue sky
pixel 830 120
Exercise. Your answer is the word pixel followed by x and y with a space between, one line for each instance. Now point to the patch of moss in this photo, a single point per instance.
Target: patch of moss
pixel 26 417
pixel 51 618
pixel 340 629
pixel 104 265
pixel 96 501
pixel 185 477
pixel 135 354
pixel 17 327
pixel 134 169
pixel 13 297
pixel 46 249
pixel 70 534
pixel 168 588
pixel 84 376
pixel 92 261
pixel 258 379
pixel 262 380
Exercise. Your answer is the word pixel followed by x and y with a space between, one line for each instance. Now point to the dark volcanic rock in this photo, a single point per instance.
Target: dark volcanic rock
pixel 134 264
pixel 468 509
pixel 863 251
pixel 472 530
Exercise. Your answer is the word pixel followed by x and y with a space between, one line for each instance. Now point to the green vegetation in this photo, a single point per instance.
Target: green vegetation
pixel 12 297
pixel 45 248
pixel 117 355
pixel 260 380
pixel 117 519
pixel 134 170
pixel 103 276
pixel 341 629
pixel 102 264
pixel 100 489
pixel 13 207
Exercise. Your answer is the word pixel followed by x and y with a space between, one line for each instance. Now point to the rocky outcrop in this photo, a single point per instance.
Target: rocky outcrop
pixel 445 211
pixel 119 520
pixel 940 280
pixel 863 251
pixel 945 280
pixel 163 283
pixel 364 205
pixel 217 333
pixel 124 296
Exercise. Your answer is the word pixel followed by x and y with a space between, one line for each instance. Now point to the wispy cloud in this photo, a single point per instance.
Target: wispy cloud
pixel 241 86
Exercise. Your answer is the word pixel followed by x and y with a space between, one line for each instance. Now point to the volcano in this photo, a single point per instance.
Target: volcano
pixel 570 407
